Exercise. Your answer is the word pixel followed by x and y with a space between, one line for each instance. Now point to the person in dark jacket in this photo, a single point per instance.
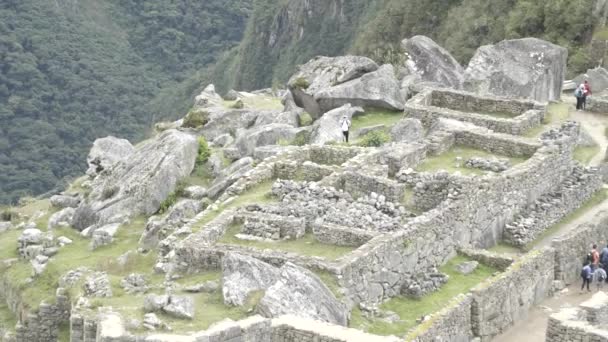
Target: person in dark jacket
pixel 586 274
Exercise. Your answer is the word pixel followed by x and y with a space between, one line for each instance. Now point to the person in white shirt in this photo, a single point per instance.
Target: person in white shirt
pixel 345 125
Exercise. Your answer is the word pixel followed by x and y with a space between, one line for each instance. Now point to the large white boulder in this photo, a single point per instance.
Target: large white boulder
pixel 242 275
pixel 138 185
pixel 324 72
pixel 106 152
pixel 377 89
pixel 520 68
pixel 301 293
pixel 327 128
pixel 432 63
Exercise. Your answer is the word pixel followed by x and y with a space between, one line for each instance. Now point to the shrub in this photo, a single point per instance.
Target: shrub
pixel 196 118
pixel 374 139
pixel 8 215
pixel 203 151
pixel 304 119
pixel 301 83
pixel 109 192
pixel 172 198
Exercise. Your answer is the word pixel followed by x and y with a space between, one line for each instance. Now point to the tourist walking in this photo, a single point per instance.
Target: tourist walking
pixel 345 125
pixel 586 274
pixel 599 277
pixel 579 93
pixel 586 93
pixel 604 257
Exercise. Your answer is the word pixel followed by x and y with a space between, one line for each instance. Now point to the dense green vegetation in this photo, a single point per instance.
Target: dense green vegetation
pixel 71 72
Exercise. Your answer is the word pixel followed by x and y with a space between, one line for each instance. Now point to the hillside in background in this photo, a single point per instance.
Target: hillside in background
pixel 75 70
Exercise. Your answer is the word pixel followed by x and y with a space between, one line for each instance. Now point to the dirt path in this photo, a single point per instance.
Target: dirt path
pixel 533 328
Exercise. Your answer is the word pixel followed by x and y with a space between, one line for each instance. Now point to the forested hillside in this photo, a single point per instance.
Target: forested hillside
pixel 75 70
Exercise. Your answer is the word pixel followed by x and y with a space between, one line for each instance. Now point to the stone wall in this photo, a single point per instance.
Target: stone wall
pixel 358 184
pixel 423 106
pixel 332 234
pixel 306 171
pixel 585 323
pixel 109 327
pixel 498 261
pixel 470 102
pixel 456 223
pixel 597 104
pixel 501 301
pixel 571 248
pixel 453 323
pixel 275 227
pixel 40 325
pixel 553 207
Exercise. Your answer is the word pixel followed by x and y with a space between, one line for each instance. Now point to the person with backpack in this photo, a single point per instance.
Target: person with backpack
pixel 586 93
pixel 604 257
pixel 579 93
pixel 599 277
pixel 345 125
pixel 586 274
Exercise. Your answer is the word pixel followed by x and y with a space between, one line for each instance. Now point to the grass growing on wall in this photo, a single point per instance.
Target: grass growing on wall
pixel 260 102
pixel 307 245
pixel 557 113
pixel 447 161
pixel 584 154
pixel 409 310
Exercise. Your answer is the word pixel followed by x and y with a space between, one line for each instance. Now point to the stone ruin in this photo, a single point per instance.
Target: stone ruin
pixel 384 212
pixel 587 322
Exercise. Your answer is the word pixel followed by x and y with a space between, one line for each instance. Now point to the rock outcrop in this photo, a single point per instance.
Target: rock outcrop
pixel 242 275
pixel 208 98
pixel 432 63
pixel 597 77
pixel 324 72
pixel 139 184
pixel 520 68
pixel 327 128
pixel 106 152
pixel 301 293
pixel 377 89
pixel 407 130
pixel 270 134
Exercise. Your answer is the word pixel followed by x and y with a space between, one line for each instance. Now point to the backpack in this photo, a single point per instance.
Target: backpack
pixel 578 92
pixel 589 258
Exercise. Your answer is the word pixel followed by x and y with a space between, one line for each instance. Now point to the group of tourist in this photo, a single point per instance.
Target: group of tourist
pixel 594 268
pixel 581 93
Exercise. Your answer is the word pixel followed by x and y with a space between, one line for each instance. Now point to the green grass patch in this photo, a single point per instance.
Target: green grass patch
pixel 78 254
pixel 557 113
pixel 64 333
pixel 259 194
pixel 373 117
pixel 447 161
pixel 198 278
pixel 595 200
pixel 330 281
pixel 8 244
pixel 261 102
pixel 584 154
pixel 503 248
pixel 307 245
pixel 601 34
pixel 411 309
pixel 7 317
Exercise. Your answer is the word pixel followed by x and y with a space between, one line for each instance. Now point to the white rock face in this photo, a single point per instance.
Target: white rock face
pixel 264 135
pixel 61 218
pixel 597 78
pixel 63 201
pixel 407 130
pixel 106 152
pixel 324 72
pixel 520 68
pixel 242 275
pixel 432 63
pixel 138 185
pixel 208 98
pixel 301 293
pixel 328 129
pixel 377 89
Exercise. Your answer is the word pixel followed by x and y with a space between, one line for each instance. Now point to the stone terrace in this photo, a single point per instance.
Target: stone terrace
pixel 588 322
pixel 500 115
